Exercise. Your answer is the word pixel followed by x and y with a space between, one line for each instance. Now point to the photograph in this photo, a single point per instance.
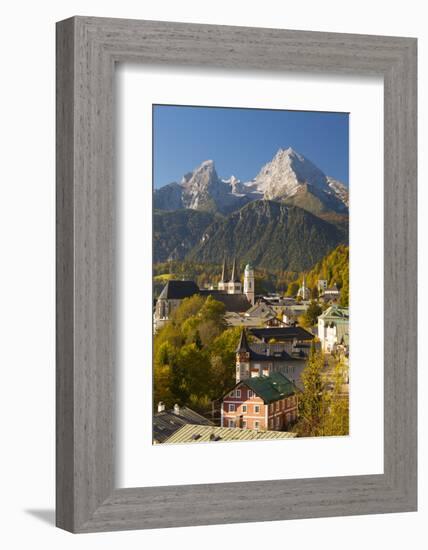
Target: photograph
pixel 250 274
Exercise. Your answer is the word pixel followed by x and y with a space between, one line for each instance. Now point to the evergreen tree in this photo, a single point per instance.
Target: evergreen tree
pixel 311 315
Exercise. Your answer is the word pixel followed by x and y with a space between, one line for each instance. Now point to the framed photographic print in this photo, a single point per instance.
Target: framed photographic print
pixel 236 274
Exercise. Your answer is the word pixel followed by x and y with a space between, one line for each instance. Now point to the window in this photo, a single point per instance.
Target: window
pixel 256 409
pixel 231 407
pixel 256 425
pixel 250 394
pixel 244 408
pixel 244 424
pixel 232 394
pixel 231 423
pixel 238 393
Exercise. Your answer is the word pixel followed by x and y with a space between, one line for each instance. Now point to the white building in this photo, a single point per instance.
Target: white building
pixel 333 327
pixel 249 283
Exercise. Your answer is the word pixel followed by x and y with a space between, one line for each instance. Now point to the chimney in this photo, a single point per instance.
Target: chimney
pixel 161 406
pixel 176 409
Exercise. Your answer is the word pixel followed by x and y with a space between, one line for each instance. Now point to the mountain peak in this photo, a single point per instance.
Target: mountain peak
pixel 206 164
pixel 287 176
pixel 286 173
pixel 289 151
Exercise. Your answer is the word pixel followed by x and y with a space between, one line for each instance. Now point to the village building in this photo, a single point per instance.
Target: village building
pixel 261 403
pixel 167 422
pixel 211 434
pixel 264 359
pixel 333 327
pixel 330 294
pixel 295 339
pixel 259 315
pixel 322 286
pixel 229 292
pixel 291 314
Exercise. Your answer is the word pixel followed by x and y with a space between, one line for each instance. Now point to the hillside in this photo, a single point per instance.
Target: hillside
pixel 335 269
pixel 176 233
pixel 271 235
pixel 323 205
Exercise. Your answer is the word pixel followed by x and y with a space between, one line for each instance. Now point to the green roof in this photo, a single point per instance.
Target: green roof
pixel 336 312
pixel 202 434
pixel 271 388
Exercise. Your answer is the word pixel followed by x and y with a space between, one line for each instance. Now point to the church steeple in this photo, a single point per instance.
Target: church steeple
pixel 224 271
pixel 222 285
pixel 234 285
pixel 235 278
pixel 304 292
pixel 243 357
pixel 243 345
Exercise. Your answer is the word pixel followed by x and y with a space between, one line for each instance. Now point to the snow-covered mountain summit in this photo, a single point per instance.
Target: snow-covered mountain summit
pixel 288 177
pixel 288 172
pixel 202 189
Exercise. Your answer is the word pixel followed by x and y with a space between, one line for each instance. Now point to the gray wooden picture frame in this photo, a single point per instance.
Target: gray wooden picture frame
pixel 87 50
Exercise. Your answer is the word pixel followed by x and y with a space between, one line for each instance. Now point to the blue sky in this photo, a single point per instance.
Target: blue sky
pixel 241 141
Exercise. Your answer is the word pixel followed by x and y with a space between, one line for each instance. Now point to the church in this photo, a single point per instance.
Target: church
pixel 235 297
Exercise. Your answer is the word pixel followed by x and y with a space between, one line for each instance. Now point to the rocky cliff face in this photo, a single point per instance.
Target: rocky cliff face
pixel 287 175
pixel 290 173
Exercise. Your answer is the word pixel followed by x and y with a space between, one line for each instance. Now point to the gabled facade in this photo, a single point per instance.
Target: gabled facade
pixel 170 298
pixel 261 403
pixel 333 327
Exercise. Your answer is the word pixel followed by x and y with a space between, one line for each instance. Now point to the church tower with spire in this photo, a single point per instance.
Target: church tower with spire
pixel 222 285
pixel 304 291
pixel 234 286
pixel 249 283
pixel 243 354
